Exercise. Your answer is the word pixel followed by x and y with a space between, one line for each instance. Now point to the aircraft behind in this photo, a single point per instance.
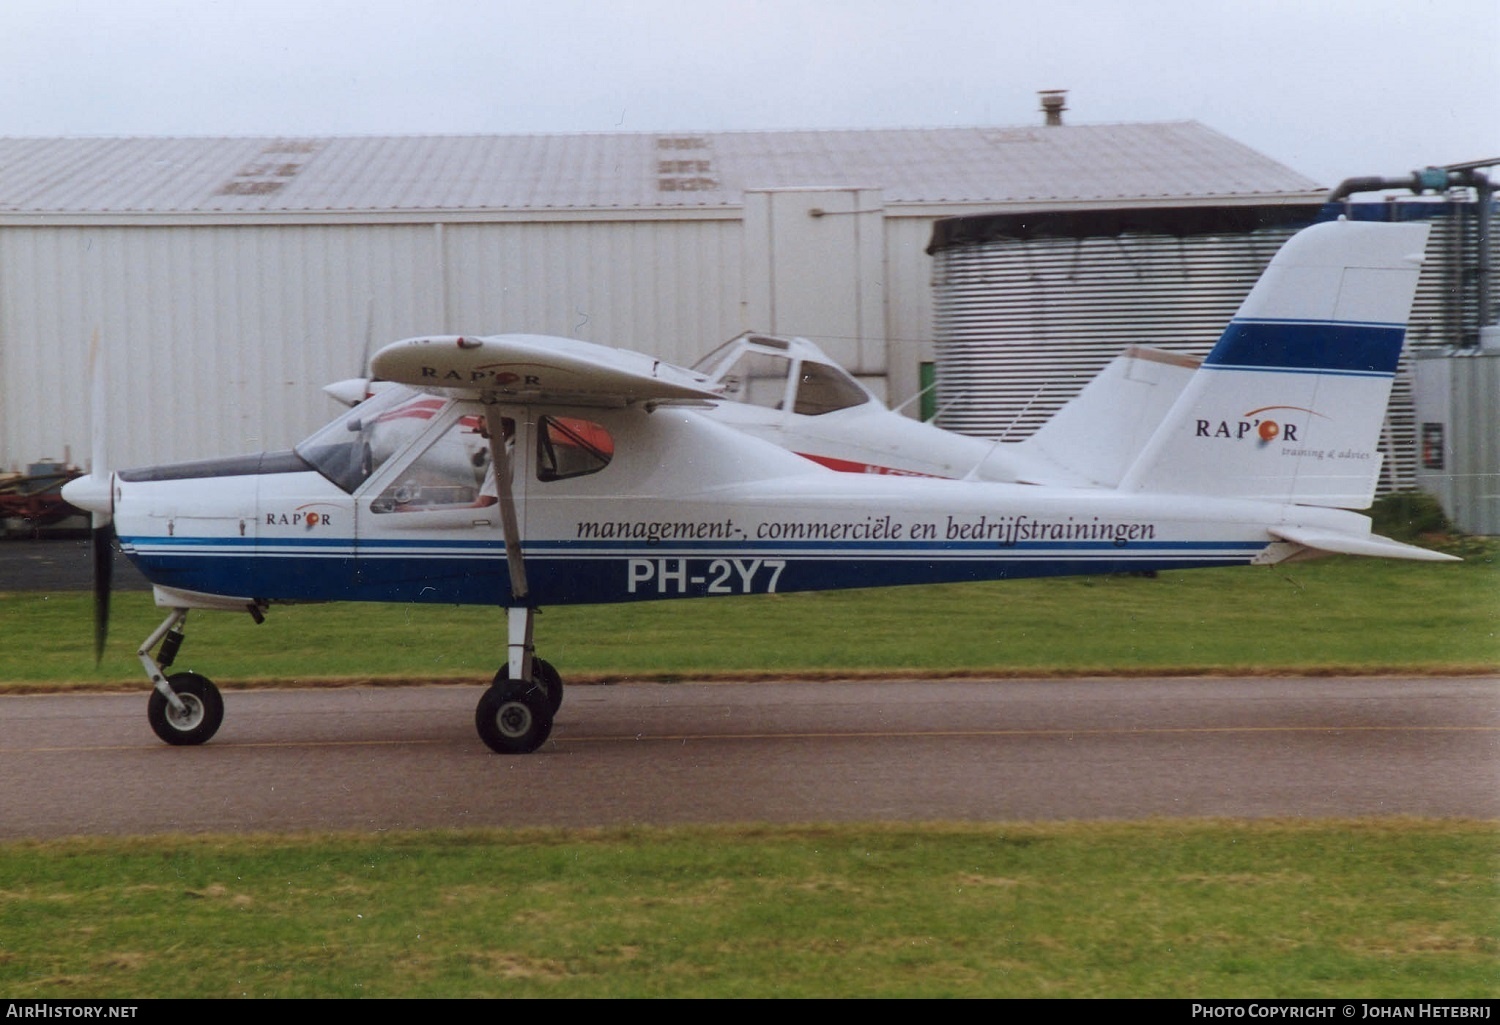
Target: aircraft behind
pixel 789 392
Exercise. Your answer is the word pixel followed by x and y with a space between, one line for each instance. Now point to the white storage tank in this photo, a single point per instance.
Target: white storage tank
pixel 1029 307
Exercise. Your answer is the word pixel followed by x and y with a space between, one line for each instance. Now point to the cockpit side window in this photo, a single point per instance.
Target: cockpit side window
pixel 758 378
pixel 823 389
pixel 453 472
pixel 568 447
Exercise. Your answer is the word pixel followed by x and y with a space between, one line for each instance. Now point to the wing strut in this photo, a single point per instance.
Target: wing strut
pixel 520 612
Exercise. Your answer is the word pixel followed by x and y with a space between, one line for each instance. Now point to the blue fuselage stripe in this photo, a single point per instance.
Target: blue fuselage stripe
pixel 559 573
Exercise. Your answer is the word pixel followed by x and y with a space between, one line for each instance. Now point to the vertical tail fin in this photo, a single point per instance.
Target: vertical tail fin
pixel 1288 406
pixel 1099 433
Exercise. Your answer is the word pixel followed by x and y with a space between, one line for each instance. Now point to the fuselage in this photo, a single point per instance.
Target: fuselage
pixel 392 503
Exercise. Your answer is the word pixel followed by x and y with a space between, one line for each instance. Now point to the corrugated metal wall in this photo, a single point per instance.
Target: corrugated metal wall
pixel 1022 325
pixel 220 337
pixel 672 289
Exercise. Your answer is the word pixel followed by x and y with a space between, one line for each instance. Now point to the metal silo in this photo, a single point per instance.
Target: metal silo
pixel 1029 307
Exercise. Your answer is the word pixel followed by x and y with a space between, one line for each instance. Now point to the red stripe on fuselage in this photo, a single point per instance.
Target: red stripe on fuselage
pixel 849 466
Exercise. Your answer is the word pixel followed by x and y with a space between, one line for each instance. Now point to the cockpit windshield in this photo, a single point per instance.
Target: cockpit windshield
pixel 351 448
pixel 759 370
pixel 710 363
pixel 824 388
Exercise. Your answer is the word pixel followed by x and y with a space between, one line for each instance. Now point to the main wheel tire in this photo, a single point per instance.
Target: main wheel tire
pixel 202 713
pixel 551 682
pixel 514 717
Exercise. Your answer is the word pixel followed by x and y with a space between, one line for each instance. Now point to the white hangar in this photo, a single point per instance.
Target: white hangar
pixel 230 279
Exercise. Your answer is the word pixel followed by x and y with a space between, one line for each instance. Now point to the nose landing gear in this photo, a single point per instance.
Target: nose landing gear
pixel 185 708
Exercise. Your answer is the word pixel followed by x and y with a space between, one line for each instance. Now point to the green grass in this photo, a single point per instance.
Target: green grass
pixel 1383 908
pixel 1181 909
pixel 1334 615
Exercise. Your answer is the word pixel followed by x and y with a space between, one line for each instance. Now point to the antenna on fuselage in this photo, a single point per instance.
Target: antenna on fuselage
pixel 920 392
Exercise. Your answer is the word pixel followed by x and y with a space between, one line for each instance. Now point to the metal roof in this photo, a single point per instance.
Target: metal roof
pixel 637 171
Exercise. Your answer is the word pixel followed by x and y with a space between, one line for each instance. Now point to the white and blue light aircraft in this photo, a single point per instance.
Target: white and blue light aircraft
pixel 520 471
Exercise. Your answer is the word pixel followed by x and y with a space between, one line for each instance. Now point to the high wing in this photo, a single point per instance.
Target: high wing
pixel 537 370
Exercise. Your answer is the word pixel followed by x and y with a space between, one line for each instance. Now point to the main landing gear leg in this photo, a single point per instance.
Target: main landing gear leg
pixel 518 627
pixel 185 708
pixel 515 715
pixel 522 663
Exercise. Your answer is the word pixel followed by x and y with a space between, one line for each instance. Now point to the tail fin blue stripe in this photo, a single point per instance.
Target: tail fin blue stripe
pixel 1309 346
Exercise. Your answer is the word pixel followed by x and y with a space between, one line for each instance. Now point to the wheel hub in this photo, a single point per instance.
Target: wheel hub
pixel 513 719
pixel 191 715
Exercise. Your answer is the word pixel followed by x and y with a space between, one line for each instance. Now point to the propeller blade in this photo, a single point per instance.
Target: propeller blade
pixel 364 365
pixel 101 507
pixel 96 496
pixel 354 390
pixel 102 542
pixel 98 409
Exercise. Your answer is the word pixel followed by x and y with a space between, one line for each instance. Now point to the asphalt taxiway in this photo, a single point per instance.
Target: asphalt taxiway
pixel 370 759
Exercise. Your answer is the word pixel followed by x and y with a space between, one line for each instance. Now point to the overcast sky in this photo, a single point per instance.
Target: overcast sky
pixel 1331 88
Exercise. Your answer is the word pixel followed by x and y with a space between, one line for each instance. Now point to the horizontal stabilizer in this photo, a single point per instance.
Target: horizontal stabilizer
pixel 1349 544
pixel 536 369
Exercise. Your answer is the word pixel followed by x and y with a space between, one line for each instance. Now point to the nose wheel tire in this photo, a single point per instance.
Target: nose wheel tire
pixel 514 717
pixel 201 714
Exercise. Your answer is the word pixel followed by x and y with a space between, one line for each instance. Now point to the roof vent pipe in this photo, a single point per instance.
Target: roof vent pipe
pixel 1054 102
